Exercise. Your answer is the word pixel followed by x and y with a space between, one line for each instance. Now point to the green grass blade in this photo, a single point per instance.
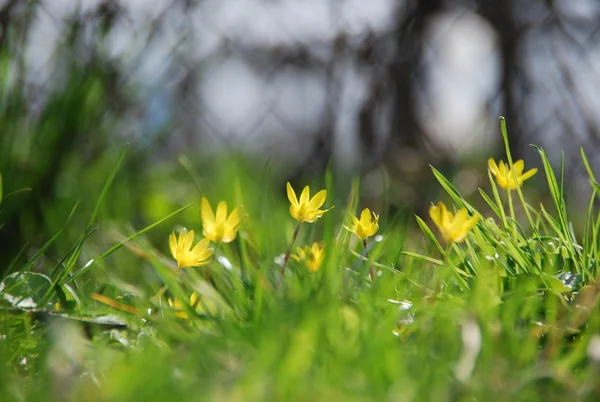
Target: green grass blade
pixel 13 262
pixel 21 190
pixel 423 258
pixel 106 188
pixel 55 270
pixel 589 245
pixel 57 277
pixel 187 165
pixel 559 202
pixel 450 189
pixel 588 168
pixel 497 211
pixel 117 246
pixel 43 249
pixel 498 199
pixel 74 256
pixel 430 235
pixel 504 132
pixel 509 158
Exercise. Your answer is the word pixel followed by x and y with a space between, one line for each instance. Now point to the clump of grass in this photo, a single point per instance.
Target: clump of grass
pixel 488 310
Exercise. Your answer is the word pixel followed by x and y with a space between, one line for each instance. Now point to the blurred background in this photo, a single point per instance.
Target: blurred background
pixel 281 89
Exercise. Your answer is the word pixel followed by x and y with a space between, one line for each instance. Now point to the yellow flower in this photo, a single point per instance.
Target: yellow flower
pixel 219 228
pixel 506 177
pixel 454 228
pixel 307 209
pixel 313 256
pixel 182 250
pixel 178 306
pixel 365 227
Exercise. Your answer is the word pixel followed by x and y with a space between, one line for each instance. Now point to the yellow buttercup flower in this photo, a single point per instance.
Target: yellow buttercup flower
pixel 178 306
pixel 220 227
pixel 306 209
pixel 454 228
pixel 365 227
pixel 182 250
pixel 313 256
pixel 505 177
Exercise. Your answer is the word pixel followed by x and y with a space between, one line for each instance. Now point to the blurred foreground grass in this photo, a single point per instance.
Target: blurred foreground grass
pixel 100 311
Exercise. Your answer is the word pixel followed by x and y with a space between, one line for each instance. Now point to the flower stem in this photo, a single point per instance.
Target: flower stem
pixel 289 250
pixel 207 267
pixel 371 271
pixel 511 208
pixel 159 294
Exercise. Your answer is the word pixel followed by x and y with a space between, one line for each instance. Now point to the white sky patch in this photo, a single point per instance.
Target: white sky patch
pixel 232 92
pixel 462 65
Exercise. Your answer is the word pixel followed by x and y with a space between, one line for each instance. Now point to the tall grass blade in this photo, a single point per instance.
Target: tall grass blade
pixel 114 248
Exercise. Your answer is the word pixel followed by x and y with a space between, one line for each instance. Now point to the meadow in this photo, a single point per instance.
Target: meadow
pixel 235 292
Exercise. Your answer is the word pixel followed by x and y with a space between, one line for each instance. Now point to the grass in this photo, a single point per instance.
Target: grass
pixel 509 314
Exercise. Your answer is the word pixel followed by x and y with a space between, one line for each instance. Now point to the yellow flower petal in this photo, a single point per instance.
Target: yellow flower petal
pixel 178 306
pixel 305 196
pixel 194 298
pixel 436 212
pixel 311 255
pixel 201 250
pixel 221 214
pixel 233 220
pixel 372 229
pixel 292 195
pixel 173 244
pixel 294 211
pixel 454 228
pixel 461 216
pixel 493 167
pixel 181 242
pixel 311 216
pixel 528 174
pixel 299 256
pixel 188 240
pixel 367 225
pixel 518 167
pixel 306 209
pixel 184 254
pixel 318 200
pixel 365 217
pixel 206 213
pixel 508 178
pixel 229 234
pixel 219 228
pixel 502 168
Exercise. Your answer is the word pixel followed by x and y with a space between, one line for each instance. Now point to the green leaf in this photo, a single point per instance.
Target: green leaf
pixel 555 284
